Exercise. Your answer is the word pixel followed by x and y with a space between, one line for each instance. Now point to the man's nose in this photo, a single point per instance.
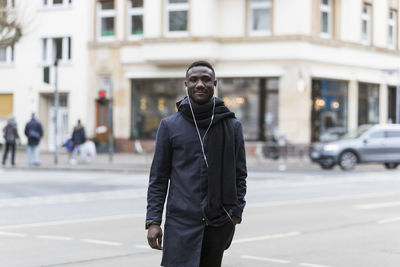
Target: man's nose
pixel 200 85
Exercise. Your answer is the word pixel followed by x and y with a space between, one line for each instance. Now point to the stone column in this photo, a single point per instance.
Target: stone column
pixel 352 116
pixel 383 103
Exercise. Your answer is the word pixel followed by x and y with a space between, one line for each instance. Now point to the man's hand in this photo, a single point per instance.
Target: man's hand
pixel 235 220
pixel 154 236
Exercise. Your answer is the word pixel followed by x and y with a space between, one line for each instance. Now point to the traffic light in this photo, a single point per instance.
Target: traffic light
pixel 102 97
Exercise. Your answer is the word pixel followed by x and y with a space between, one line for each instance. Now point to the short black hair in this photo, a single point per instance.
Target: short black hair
pixel 201 63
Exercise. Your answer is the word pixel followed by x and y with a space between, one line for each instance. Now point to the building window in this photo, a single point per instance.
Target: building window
pixel 176 17
pixel 368 103
pixel 257 109
pixel 392 100
pixel 153 100
pixel 366 28
pixel 6 105
pixel 106 19
pixel 7 55
pixel 392 29
pixel 135 18
pixel 329 110
pixel 259 17
pixel 56 48
pixel 326 18
pixel 8 4
pixel 56 3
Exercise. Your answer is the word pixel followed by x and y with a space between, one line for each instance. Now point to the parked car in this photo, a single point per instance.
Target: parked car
pixel 378 143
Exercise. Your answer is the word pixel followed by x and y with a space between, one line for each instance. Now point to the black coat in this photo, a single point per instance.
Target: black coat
pixel 178 163
pixel 34 132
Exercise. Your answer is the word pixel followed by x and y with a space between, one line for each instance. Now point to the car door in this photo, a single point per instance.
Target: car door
pixel 373 147
pixel 392 144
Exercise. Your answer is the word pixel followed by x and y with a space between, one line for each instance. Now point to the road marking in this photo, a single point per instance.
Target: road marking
pixel 317 200
pixel 311 265
pixel 53 237
pixel 143 246
pixel 377 205
pixel 266 237
pixel 101 242
pixel 389 220
pixel 55 223
pixel 264 259
pixel 12 234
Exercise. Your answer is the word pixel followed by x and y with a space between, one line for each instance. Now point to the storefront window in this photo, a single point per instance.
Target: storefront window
pixel 255 103
pixel 368 103
pixel 153 100
pixel 329 110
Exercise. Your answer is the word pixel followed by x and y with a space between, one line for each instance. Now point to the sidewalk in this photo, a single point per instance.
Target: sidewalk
pixel 132 162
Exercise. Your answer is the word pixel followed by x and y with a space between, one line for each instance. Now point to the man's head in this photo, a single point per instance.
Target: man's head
pixel 200 81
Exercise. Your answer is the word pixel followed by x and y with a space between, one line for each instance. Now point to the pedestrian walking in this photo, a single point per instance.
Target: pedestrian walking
pixel 10 134
pixel 34 132
pixel 200 162
pixel 78 140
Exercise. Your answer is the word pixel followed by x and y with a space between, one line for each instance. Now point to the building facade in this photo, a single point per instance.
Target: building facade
pixel 307 70
pixel 52 29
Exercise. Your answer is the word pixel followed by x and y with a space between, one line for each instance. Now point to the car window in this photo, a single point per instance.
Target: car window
pixel 377 134
pixel 391 134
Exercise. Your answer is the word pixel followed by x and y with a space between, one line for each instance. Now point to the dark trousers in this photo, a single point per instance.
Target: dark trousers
pixel 8 146
pixel 215 241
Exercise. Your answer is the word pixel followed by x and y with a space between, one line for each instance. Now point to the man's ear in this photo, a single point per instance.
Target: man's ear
pixel 215 83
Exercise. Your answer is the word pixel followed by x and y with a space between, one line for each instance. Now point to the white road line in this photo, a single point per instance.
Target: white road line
pixel 377 205
pixel 12 234
pixel 143 246
pixel 101 242
pixel 266 237
pixel 317 200
pixel 53 237
pixel 55 223
pixel 312 265
pixel 389 220
pixel 264 259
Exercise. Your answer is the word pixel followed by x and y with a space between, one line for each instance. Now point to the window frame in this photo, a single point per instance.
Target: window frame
pixel 392 22
pixel 134 11
pixel 51 4
pixel 327 8
pixel 368 18
pixel 48 54
pixel 10 56
pixel 110 13
pixel 169 7
pixel 251 7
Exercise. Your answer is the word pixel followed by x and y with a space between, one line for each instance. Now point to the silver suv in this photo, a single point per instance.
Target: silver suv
pixel 370 143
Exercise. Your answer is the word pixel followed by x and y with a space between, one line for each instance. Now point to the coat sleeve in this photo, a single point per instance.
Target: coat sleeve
pixel 159 175
pixel 241 171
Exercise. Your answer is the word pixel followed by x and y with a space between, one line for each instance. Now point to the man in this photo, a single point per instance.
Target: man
pixel 10 134
pixel 34 132
pixel 77 141
pixel 202 165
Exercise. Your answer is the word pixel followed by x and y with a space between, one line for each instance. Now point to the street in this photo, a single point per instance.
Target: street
pixel 307 217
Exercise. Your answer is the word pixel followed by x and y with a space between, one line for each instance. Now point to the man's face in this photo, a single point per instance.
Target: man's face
pixel 200 82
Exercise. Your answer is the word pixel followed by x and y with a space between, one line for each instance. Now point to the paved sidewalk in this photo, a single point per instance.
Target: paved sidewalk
pixel 132 162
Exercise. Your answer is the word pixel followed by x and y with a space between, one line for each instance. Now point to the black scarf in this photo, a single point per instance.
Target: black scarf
pixel 221 151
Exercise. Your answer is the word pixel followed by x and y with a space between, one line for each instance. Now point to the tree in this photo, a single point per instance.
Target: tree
pixel 10 29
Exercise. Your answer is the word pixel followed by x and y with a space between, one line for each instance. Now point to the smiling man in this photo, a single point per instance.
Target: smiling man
pixel 200 161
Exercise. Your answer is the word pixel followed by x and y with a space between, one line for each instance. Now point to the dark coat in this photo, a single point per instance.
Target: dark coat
pixel 34 132
pixel 178 162
pixel 78 136
pixel 10 132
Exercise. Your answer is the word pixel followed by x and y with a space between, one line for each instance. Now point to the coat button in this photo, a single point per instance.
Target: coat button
pixel 203 219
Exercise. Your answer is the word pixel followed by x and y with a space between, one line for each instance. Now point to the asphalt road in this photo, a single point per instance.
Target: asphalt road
pixel 305 218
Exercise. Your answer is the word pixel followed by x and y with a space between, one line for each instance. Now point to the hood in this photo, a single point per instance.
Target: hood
pixel 12 123
pixel 182 102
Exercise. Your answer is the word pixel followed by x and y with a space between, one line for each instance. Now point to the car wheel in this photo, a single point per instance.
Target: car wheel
pixel 391 165
pixel 348 161
pixel 326 166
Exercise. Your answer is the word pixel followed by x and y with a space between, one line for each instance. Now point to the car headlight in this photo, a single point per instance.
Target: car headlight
pixel 331 147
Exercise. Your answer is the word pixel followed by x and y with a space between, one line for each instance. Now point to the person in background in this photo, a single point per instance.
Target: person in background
pixel 10 134
pixel 34 132
pixel 78 140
